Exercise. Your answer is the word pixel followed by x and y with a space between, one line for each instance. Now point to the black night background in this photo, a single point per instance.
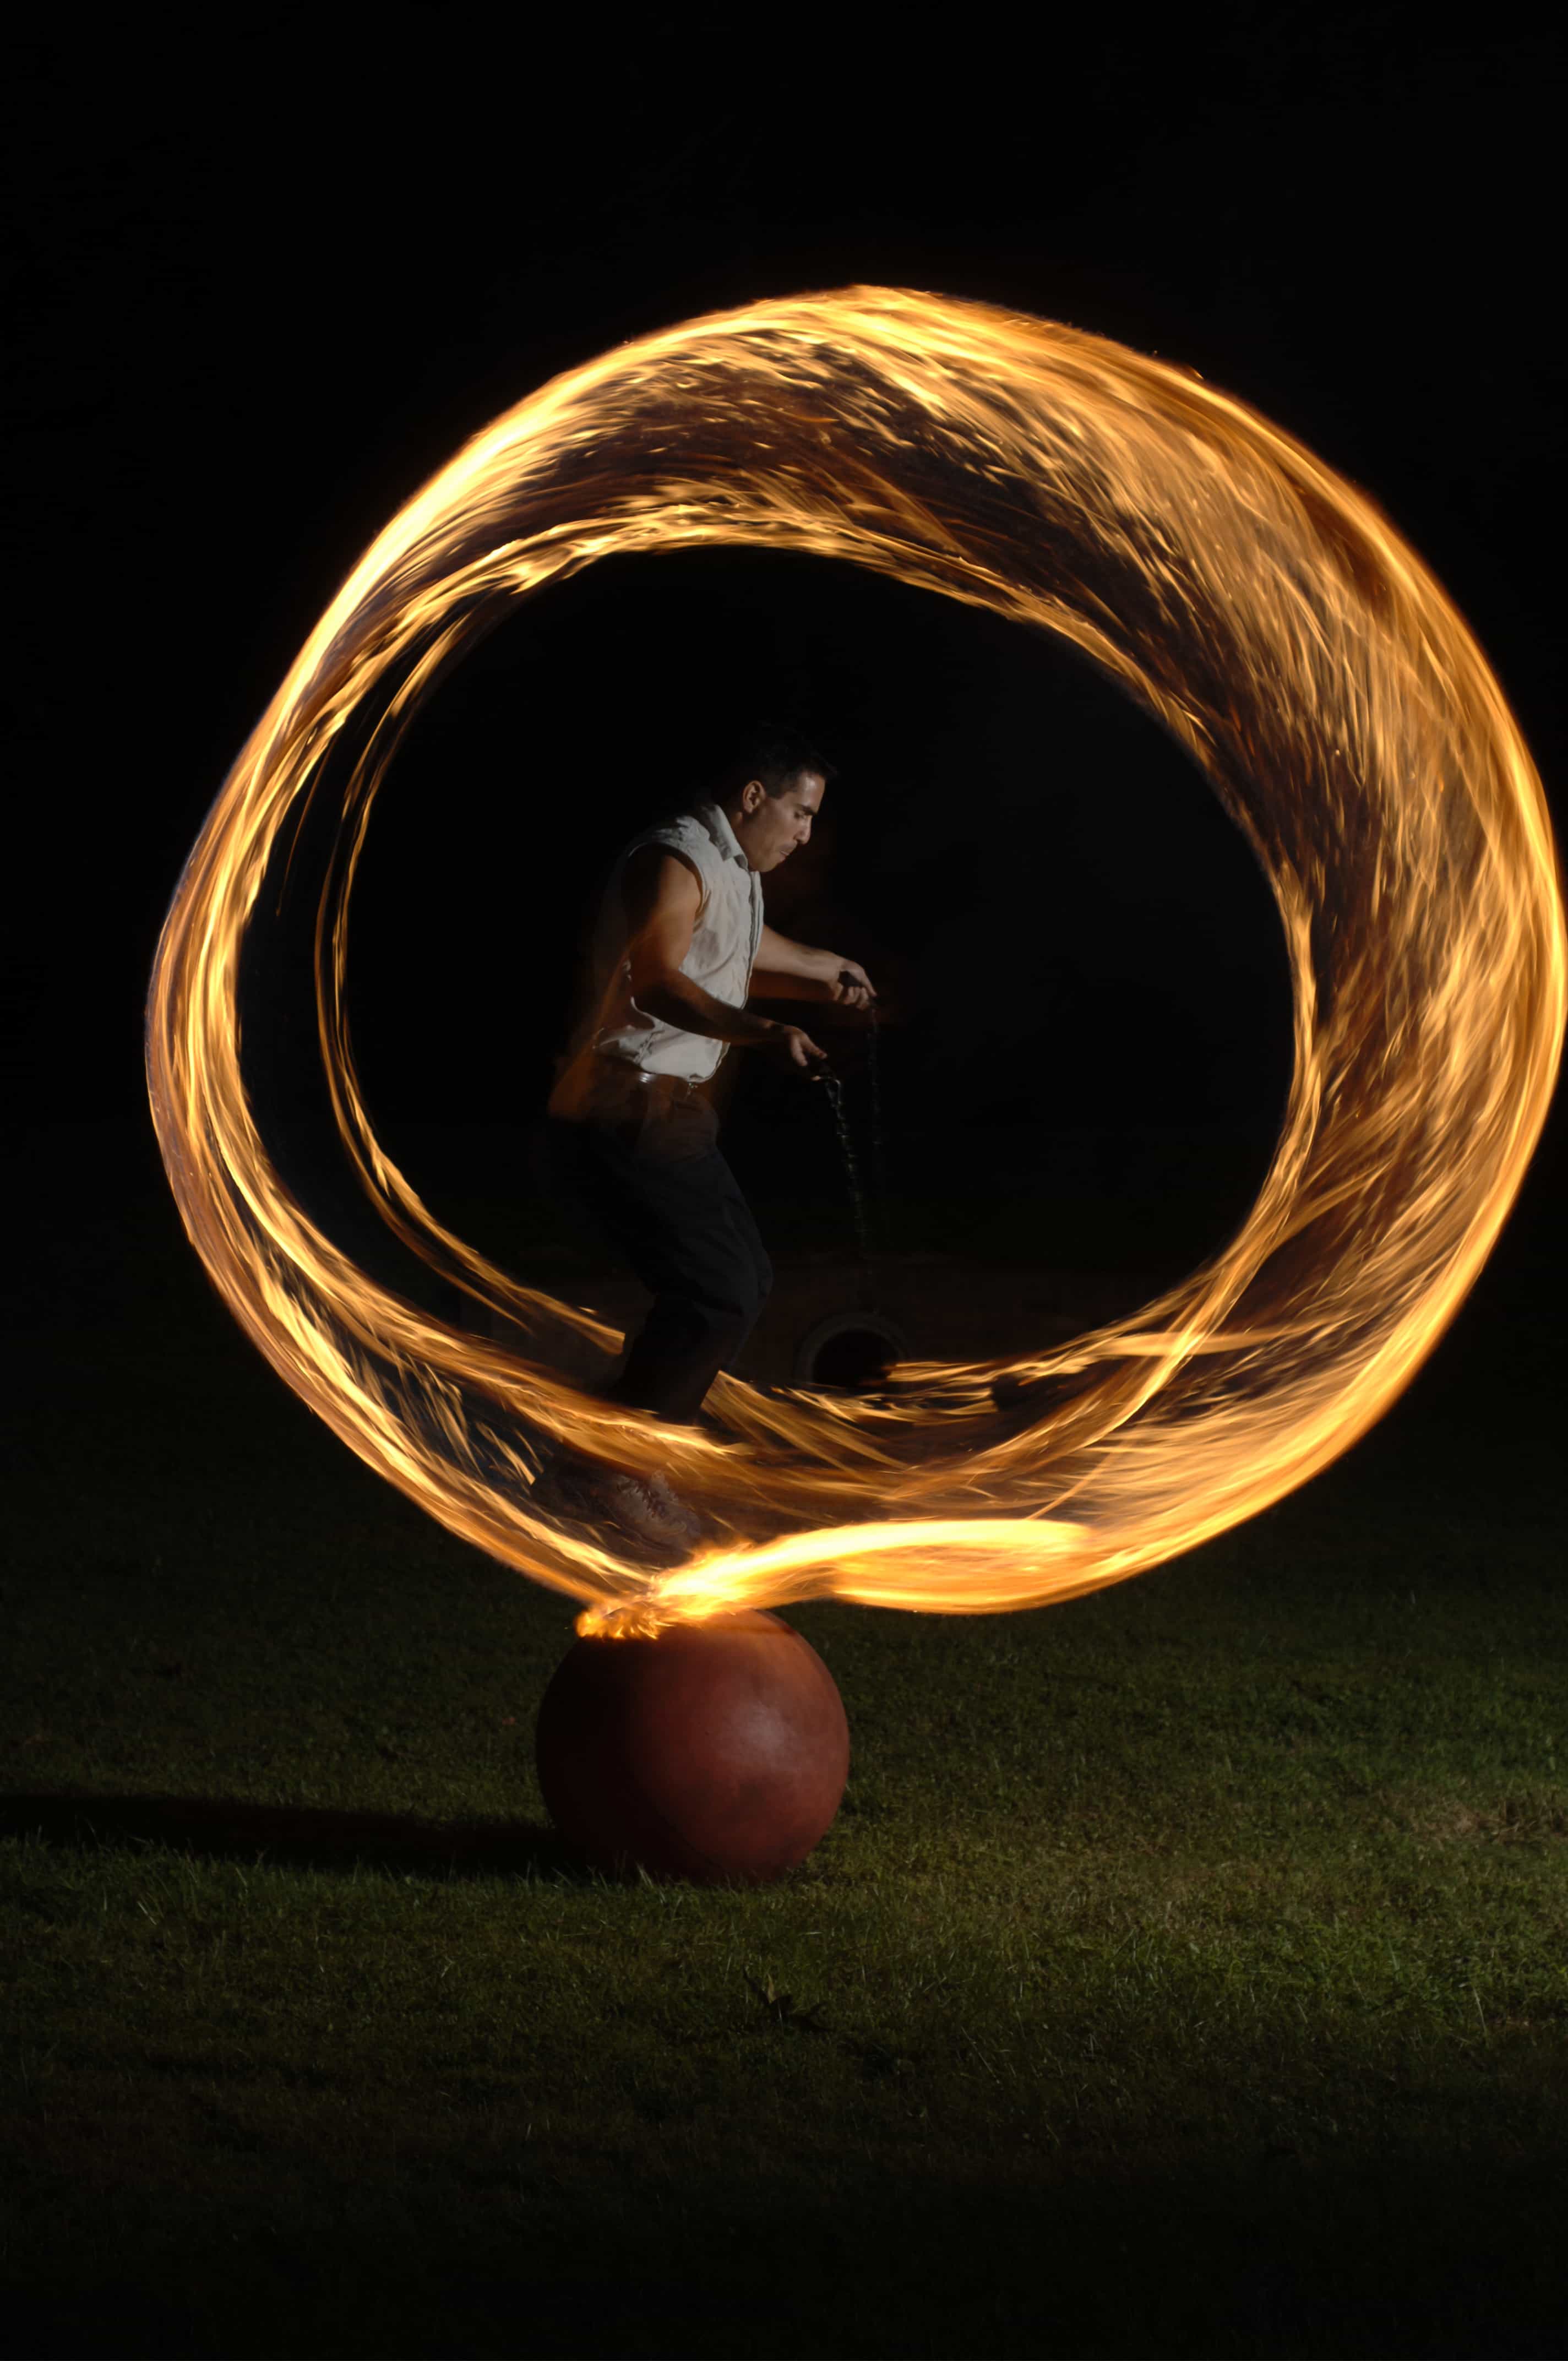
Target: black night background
pixel 1184 1975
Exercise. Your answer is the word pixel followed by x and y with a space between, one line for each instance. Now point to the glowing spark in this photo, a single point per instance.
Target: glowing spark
pixel 1270 618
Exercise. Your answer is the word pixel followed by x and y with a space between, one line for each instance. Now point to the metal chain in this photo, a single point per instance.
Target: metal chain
pixel 878 1159
pixel 835 1089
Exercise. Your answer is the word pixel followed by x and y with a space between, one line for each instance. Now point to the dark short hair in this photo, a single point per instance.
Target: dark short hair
pixel 775 752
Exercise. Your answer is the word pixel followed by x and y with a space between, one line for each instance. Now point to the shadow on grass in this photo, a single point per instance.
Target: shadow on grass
pixel 222 1828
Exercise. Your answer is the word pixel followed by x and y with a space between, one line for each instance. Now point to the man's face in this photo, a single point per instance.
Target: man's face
pixel 774 825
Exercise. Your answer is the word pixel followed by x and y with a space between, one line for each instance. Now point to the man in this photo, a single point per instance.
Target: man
pixel 630 1134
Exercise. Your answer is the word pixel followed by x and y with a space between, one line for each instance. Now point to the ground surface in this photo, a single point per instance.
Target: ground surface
pixel 1187 1973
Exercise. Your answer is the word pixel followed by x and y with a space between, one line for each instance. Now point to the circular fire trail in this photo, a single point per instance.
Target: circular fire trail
pixel 1263 612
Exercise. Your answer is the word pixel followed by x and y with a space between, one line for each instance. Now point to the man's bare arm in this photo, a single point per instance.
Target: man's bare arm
pixel 662 899
pixel 790 970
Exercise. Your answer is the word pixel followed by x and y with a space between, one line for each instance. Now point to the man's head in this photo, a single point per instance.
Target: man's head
pixel 773 793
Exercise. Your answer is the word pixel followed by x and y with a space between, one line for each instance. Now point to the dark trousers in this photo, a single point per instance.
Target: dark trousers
pixel 645 1169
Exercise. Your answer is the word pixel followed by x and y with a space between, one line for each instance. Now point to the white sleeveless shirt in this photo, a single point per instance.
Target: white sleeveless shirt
pixel 725 937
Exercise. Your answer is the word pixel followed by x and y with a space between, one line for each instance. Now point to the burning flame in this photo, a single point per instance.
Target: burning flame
pixel 1266 614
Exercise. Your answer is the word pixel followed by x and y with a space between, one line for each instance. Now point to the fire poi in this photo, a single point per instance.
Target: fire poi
pixel 1267 615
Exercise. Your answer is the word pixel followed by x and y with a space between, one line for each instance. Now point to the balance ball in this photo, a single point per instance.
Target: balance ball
pixel 716 1751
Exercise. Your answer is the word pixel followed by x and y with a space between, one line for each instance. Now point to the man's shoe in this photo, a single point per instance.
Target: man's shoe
pixel 585 1491
pixel 683 1522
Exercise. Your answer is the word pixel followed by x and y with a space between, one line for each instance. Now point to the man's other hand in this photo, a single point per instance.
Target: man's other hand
pixel 847 981
pixel 796 1045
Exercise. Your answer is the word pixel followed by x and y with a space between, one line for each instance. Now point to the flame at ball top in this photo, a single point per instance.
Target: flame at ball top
pixel 1265 613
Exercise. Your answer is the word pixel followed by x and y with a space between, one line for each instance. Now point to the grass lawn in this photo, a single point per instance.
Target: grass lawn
pixel 1187 1972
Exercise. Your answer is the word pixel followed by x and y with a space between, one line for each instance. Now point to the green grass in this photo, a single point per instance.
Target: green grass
pixel 1187 1972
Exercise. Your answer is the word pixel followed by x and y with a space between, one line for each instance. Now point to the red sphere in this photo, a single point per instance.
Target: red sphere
pixel 716 1751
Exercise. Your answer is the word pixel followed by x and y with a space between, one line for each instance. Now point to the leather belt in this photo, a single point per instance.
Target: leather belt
pixel 690 1083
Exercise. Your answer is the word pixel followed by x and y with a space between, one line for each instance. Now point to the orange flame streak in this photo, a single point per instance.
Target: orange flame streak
pixel 1263 612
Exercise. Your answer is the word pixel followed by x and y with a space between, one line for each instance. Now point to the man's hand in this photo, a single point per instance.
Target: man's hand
pixel 796 1046
pixel 847 979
